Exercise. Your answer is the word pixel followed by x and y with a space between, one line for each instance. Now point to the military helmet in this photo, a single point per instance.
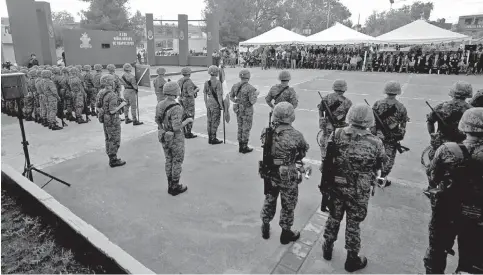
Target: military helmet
pixel 78 67
pixel 213 70
pixel 32 73
pixel 244 74
pixel 461 89
pixel 360 115
pixel 477 100
pixel 171 88
pixel 186 71
pixel 339 85
pixel 56 70
pixel 284 113
pixel 24 71
pixel 39 73
pixel 107 80
pixel 87 68
pixel 13 70
pixel 127 67
pixel 472 121
pixel 65 70
pixel 284 76
pixel 98 67
pixel 111 68
pixel 46 74
pixel 392 88
pixel 74 71
pixel 160 71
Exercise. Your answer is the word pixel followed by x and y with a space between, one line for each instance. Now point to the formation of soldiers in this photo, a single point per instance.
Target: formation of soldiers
pixel 358 149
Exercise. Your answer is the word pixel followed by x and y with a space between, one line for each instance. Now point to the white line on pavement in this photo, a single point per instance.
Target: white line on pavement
pixel 405 85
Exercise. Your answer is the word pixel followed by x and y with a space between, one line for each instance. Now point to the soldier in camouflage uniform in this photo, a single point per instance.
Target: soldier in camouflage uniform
pixel 109 102
pixel 477 100
pixel 80 74
pixel 52 97
pixel 69 96
pixel 117 81
pixel 213 96
pixel 288 147
pixel 89 88
pixel 338 105
pixel 169 117
pixel 451 112
pixel 158 84
pixel 358 157
pixel 282 92
pixel 57 78
pixel 42 99
pixel 456 188
pixel 395 116
pixel 244 96
pixel 96 81
pixel 130 95
pixel 77 88
pixel 28 110
pixel 189 92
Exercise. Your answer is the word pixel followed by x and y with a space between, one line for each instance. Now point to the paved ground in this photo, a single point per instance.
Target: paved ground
pixel 214 227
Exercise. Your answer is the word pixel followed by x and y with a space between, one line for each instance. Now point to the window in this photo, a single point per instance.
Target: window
pixel 106 46
pixel 468 21
pixel 476 21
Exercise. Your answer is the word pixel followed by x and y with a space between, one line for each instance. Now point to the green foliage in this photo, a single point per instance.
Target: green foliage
pixel 243 19
pixel 137 25
pixel 383 22
pixel 59 20
pixel 107 15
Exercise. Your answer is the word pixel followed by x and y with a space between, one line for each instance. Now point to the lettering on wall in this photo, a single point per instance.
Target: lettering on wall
pixel 123 40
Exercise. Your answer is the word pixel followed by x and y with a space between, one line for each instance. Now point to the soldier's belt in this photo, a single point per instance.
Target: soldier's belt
pixel 280 162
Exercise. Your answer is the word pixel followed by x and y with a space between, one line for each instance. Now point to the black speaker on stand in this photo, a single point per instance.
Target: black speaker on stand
pixel 14 87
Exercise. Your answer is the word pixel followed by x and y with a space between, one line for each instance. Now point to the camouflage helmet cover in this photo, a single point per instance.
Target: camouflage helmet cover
pixel 87 68
pixel 160 71
pixel 111 67
pixel 244 74
pixel 284 113
pixel 46 74
pixel 107 80
pixel 360 115
pixel 461 89
pixel 213 70
pixel 171 88
pixel 98 67
pixel 127 67
pixel 472 121
pixel 284 76
pixel 339 85
pixel 392 88
pixel 186 71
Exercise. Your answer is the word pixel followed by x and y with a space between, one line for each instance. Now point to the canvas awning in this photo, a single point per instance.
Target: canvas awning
pixel 421 32
pixel 339 34
pixel 275 36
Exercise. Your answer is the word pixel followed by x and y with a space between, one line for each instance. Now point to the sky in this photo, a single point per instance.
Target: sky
pixel 169 9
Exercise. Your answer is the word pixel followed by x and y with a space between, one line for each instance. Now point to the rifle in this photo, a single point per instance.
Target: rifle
pixel 329 113
pixel 440 119
pixel 328 177
pixel 386 132
pixel 266 164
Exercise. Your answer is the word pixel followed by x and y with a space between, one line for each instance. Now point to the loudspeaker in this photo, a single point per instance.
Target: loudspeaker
pixel 14 86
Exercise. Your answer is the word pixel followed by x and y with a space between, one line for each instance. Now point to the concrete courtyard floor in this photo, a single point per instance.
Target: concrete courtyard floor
pixel 215 226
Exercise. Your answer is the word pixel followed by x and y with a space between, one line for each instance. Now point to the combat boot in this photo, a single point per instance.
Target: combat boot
pixel 170 186
pixel 240 147
pixel 215 141
pixel 288 236
pixel 115 162
pixel 137 122
pixel 327 250
pixel 246 149
pixel 354 262
pixel 80 120
pixel 265 231
pixel 190 135
pixel 55 127
pixel 45 123
pixel 128 120
pixel 29 118
pixel 178 189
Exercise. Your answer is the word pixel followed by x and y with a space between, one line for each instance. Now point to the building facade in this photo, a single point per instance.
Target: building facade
pixel 471 25
pixel 8 53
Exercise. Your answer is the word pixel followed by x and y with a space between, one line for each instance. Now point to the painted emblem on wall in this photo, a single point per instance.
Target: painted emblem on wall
pixel 85 39
pixel 209 35
pixel 51 31
pixel 150 35
pixel 181 35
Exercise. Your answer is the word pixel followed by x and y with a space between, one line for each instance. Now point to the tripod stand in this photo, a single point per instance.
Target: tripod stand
pixel 27 172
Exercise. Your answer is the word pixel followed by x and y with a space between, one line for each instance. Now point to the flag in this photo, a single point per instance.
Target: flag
pixel 226 101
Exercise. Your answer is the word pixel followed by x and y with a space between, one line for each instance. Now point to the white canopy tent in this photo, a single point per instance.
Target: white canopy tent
pixel 275 36
pixel 339 34
pixel 421 32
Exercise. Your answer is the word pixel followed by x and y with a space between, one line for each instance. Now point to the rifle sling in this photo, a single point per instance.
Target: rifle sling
pixel 166 110
pixel 213 93
pixel 280 93
pixel 128 84
pixel 239 89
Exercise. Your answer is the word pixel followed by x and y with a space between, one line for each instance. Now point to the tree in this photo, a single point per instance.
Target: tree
pixel 107 15
pixel 137 25
pixel 59 20
pixel 383 22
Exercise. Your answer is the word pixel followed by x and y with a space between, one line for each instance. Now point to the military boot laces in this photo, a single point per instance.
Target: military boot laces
pixel 55 127
pixel 127 120
pixel 288 236
pixel 137 122
pixel 178 189
pixel 354 262
pixel 265 230
pixel 327 250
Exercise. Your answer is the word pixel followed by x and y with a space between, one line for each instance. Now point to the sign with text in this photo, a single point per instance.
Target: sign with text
pixel 123 39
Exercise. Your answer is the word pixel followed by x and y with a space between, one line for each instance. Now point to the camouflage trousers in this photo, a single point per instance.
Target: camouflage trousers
pixel 79 98
pixel 91 97
pixel 69 102
pixel 174 154
pixel 43 106
pixel 244 118
pixel 28 105
pixel 213 114
pixel 390 149
pixel 327 130
pixel 52 110
pixel 188 104
pixel 356 213
pixel 112 135
pixel 37 105
pixel 131 102
pixel 289 195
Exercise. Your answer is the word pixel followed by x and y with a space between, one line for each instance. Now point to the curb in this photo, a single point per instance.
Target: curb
pixel 88 238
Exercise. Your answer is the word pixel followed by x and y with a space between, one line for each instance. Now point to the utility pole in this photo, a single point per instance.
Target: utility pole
pixel 328 13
